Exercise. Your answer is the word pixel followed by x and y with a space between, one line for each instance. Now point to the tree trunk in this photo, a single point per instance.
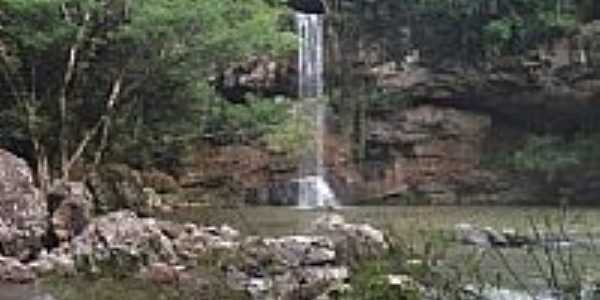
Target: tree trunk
pixel 106 124
pixel 42 170
pixel 62 97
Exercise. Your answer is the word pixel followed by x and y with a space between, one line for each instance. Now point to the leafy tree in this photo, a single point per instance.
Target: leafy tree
pixel 80 76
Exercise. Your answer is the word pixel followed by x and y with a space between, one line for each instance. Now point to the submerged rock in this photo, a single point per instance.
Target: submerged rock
pixel 489 237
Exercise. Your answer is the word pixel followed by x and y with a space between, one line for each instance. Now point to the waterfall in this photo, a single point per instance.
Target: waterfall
pixel 314 191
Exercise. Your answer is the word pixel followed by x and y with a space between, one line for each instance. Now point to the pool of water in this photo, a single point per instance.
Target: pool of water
pixel 404 220
pixel 420 227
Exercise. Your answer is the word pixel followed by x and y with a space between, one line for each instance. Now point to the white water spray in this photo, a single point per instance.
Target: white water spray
pixel 314 191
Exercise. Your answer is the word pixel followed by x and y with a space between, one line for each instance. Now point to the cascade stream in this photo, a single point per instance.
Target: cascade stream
pixel 314 191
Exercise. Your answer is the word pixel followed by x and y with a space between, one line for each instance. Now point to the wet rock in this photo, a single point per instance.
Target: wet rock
pixel 469 234
pixel 13 271
pixel 275 193
pixel 71 208
pixel 115 187
pixel 23 212
pixel 308 6
pixel 489 237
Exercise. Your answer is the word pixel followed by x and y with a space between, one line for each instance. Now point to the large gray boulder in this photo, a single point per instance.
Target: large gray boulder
pixel 23 214
pixel 121 241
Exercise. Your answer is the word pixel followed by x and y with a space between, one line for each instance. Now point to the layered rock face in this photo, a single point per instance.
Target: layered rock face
pixel 418 151
pixel 23 217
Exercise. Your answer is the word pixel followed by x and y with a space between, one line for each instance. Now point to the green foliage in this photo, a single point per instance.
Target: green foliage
pixel 290 137
pixel 514 34
pixel 465 31
pixel 255 119
pixel 545 153
pixel 390 100
pixel 548 154
pixel 371 283
pixel 166 53
pixel 35 25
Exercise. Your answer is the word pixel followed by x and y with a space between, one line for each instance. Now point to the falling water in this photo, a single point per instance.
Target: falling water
pixel 314 191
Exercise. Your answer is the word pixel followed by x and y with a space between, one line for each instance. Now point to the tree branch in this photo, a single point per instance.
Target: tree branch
pixel 62 97
pixel 103 123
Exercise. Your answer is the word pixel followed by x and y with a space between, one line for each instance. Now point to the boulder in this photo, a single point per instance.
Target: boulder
pixel 23 213
pixel 13 271
pixel 115 187
pixel 121 241
pixel 289 251
pixel 71 207
pixel 194 241
pixel 296 266
pixel 353 242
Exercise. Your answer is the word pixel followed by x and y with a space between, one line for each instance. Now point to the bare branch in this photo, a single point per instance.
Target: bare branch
pixel 62 98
